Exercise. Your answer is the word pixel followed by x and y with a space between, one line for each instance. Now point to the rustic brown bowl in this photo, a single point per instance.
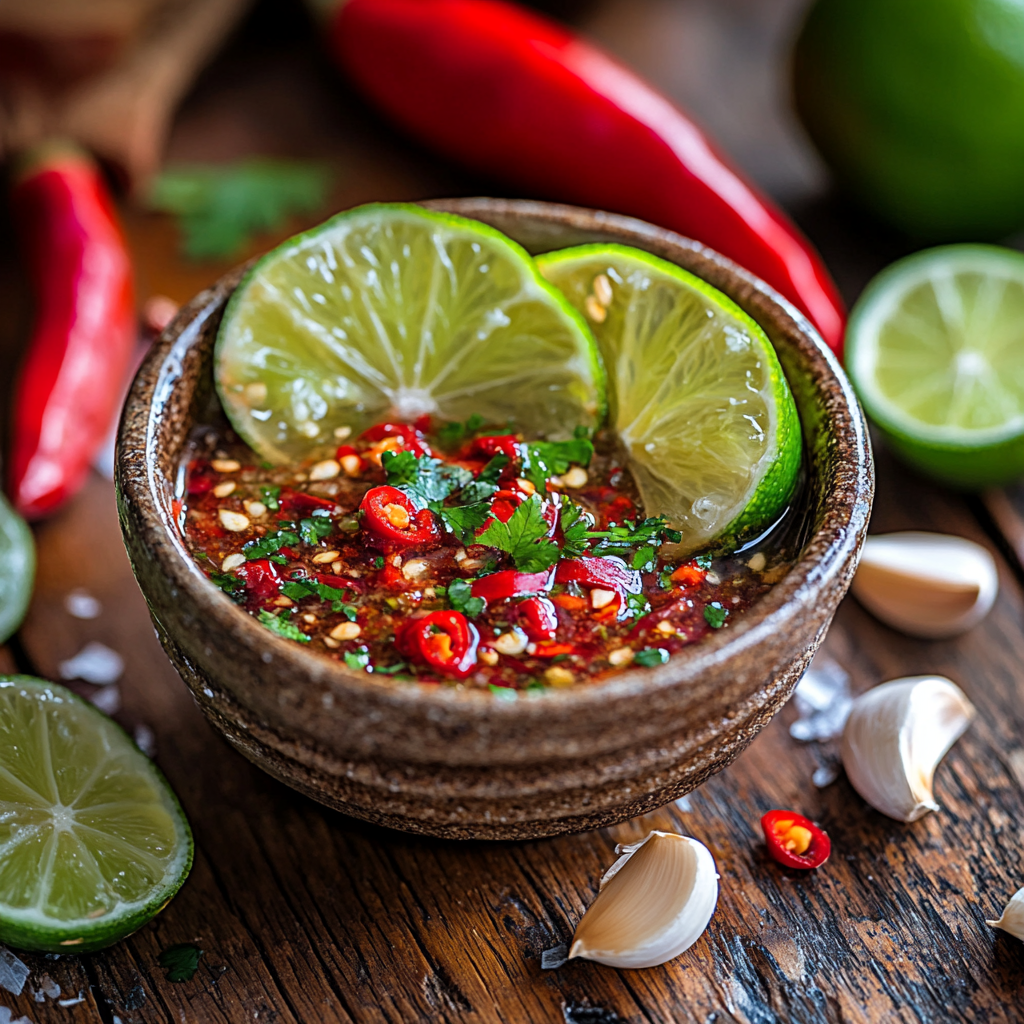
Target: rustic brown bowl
pixel 462 764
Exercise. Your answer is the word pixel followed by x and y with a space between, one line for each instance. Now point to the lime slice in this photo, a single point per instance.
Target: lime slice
pixel 18 557
pixel 393 311
pixel 93 842
pixel 934 351
pixel 696 393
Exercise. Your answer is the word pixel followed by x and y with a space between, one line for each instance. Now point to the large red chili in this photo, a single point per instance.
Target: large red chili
pixel 391 517
pixel 512 94
pixel 794 840
pixel 73 377
pixel 446 641
pixel 505 444
pixel 500 586
pixel 262 583
pixel 608 572
pixel 409 437
pixel 539 618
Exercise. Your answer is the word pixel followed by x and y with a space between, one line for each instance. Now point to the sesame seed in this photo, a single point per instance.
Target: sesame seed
pixel 414 568
pixel 665 627
pixel 526 486
pixel 513 642
pixel 232 562
pixel 345 631
pixel 337 567
pixel 331 643
pixel 601 598
pixel 224 489
pixel 226 465
pixel 594 309
pixel 233 521
pixel 559 677
pixel 576 477
pixel 255 508
pixel 757 563
pixel 620 656
pixel 488 657
pixel 328 469
pixel 283 602
pixel 603 289
pixel 324 557
pixel 309 617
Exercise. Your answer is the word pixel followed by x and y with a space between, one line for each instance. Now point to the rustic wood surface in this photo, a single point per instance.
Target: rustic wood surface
pixel 306 916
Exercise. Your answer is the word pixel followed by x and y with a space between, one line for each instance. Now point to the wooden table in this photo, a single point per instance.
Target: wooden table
pixel 307 916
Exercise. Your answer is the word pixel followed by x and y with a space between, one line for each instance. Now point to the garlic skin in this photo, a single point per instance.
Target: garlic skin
pixel 895 737
pixel 1012 920
pixel 926 584
pixel 654 903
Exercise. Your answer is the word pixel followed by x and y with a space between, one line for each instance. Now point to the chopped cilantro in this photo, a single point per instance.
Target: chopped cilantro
pixel 452 433
pixel 378 562
pixel 715 615
pixel 503 692
pixel 181 961
pixel 487 482
pixel 357 660
pixel 313 530
pixel 271 542
pixel 575 524
pixel 545 459
pixel 400 468
pixel 390 670
pixel 269 496
pixel 582 433
pixel 423 478
pixel 463 520
pixel 231 584
pixel 643 559
pixel 630 536
pixel 637 604
pixel 524 537
pixel 282 625
pixel 651 656
pixel 703 562
pixel 460 597
pixel 300 587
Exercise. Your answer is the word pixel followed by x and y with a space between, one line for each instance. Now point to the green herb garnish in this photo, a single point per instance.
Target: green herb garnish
pixel 423 478
pixel 301 587
pixel 390 670
pixel 452 433
pixel 524 537
pixel 181 961
pixel 269 496
pixel 461 599
pixel 357 660
pixel 378 562
pixel 703 562
pixel 637 604
pixel 545 459
pixel 313 530
pixel 231 584
pixel 484 486
pixel 575 526
pixel 715 615
pixel 463 520
pixel 282 625
pixel 271 542
pixel 651 656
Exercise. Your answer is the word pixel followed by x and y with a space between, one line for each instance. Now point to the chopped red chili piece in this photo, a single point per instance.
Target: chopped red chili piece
pixel 412 440
pixel 262 582
pixel 539 618
pixel 688 575
pixel 502 509
pixel 609 573
pixel 391 517
pixel 499 586
pixel 298 503
pixel 499 445
pixel 547 650
pixel 570 602
pixel 446 641
pixel 794 840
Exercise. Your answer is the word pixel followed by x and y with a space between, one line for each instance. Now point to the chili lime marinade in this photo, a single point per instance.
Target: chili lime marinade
pixel 459 557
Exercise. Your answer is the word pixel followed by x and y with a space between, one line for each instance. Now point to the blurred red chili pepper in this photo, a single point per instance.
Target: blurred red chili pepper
pixel 298 503
pixel 512 94
pixel 539 618
pixel 262 582
pixel 412 440
pixel 795 841
pixel 499 586
pixel 71 383
pixel 390 516
pixel 446 641
pixel 504 444
pixel 609 573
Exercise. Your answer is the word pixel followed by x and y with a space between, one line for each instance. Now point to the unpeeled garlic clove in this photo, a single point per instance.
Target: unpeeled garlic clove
pixel 895 737
pixel 1012 920
pixel 655 902
pixel 926 584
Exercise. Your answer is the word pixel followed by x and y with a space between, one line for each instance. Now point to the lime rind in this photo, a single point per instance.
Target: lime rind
pixel 937 356
pixel 697 395
pixel 392 310
pixel 64 844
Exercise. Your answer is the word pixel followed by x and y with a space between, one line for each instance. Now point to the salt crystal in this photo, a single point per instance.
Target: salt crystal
pixel 95 663
pixel 12 972
pixel 82 604
pixel 145 740
pixel 554 957
pixel 108 700
pixel 822 699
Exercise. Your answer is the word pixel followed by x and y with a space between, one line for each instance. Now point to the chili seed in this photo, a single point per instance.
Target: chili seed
pixel 488 657
pixel 309 617
pixel 576 477
pixel 233 521
pixel 603 289
pixel 345 631
pixel 558 676
pixel 255 508
pixel 665 627
pixel 352 465
pixel 513 642
pixel 232 562
pixel 328 469
pixel 620 656
pixel 224 489
pixel 594 309
pixel 324 557
pixel 601 598
pixel 397 516
pixel 331 643
pixel 337 567
pixel 226 465
pixel 526 486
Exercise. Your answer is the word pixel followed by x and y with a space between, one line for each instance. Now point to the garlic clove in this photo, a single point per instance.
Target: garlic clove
pixel 926 584
pixel 895 737
pixel 1012 920
pixel 655 902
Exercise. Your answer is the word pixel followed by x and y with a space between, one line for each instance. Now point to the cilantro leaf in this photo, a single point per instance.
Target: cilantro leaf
pixel 460 597
pixel 270 543
pixel 181 961
pixel 575 524
pixel 545 459
pixel 400 467
pixel 269 496
pixel 629 537
pixel 702 561
pixel 463 520
pixel 282 625
pixel 390 670
pixel 424 479
pixel 357 659
pixel 221 206
pixel 486 483
pixel 651 656
pixel 301 587
pixel 524 537
pixel 378 562
pixel 314 529
pixel 637 604
pixel 231 584
pixel 452 433
pixel 715 615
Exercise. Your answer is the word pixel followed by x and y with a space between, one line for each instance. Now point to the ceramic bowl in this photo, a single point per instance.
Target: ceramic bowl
pixel 462 764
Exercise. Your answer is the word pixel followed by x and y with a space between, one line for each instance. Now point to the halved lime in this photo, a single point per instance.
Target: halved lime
pixel 393 311
pixel 696 393
pixel 935 350
pixel 93 843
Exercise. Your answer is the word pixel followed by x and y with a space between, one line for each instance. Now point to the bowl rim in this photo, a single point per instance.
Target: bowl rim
pixel 831 550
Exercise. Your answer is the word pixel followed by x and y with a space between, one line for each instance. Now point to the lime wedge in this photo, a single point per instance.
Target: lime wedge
pixel 934 350
pixel 393 311
pixel 18 557
pixel 696 393
pixel 93 842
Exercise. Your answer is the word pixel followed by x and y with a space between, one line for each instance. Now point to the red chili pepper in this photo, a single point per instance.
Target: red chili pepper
pixel 298 503
pixel 539 618
pixel 512 94
pixel 795 841
pixel 390 516
pixel 412 440
pixel 609 573
pixel 262 582
pixel 688 575
pixel 618 510
pixel 546 650
pixel 503 509
pixel 499 586
pixel 446 641
pixel 73 378
pixel 505 444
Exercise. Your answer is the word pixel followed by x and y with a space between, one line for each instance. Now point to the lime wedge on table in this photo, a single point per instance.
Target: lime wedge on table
pixel 935 349
pixel 93 842
pixel 696 393
pixel 395 311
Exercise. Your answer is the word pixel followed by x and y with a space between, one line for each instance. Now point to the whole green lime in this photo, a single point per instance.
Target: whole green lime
pixel 918 107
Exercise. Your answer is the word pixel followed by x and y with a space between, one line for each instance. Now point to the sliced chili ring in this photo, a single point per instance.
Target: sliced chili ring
pixel 446 641
pixel 539 618
pixel 794 840
pixel 391 517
